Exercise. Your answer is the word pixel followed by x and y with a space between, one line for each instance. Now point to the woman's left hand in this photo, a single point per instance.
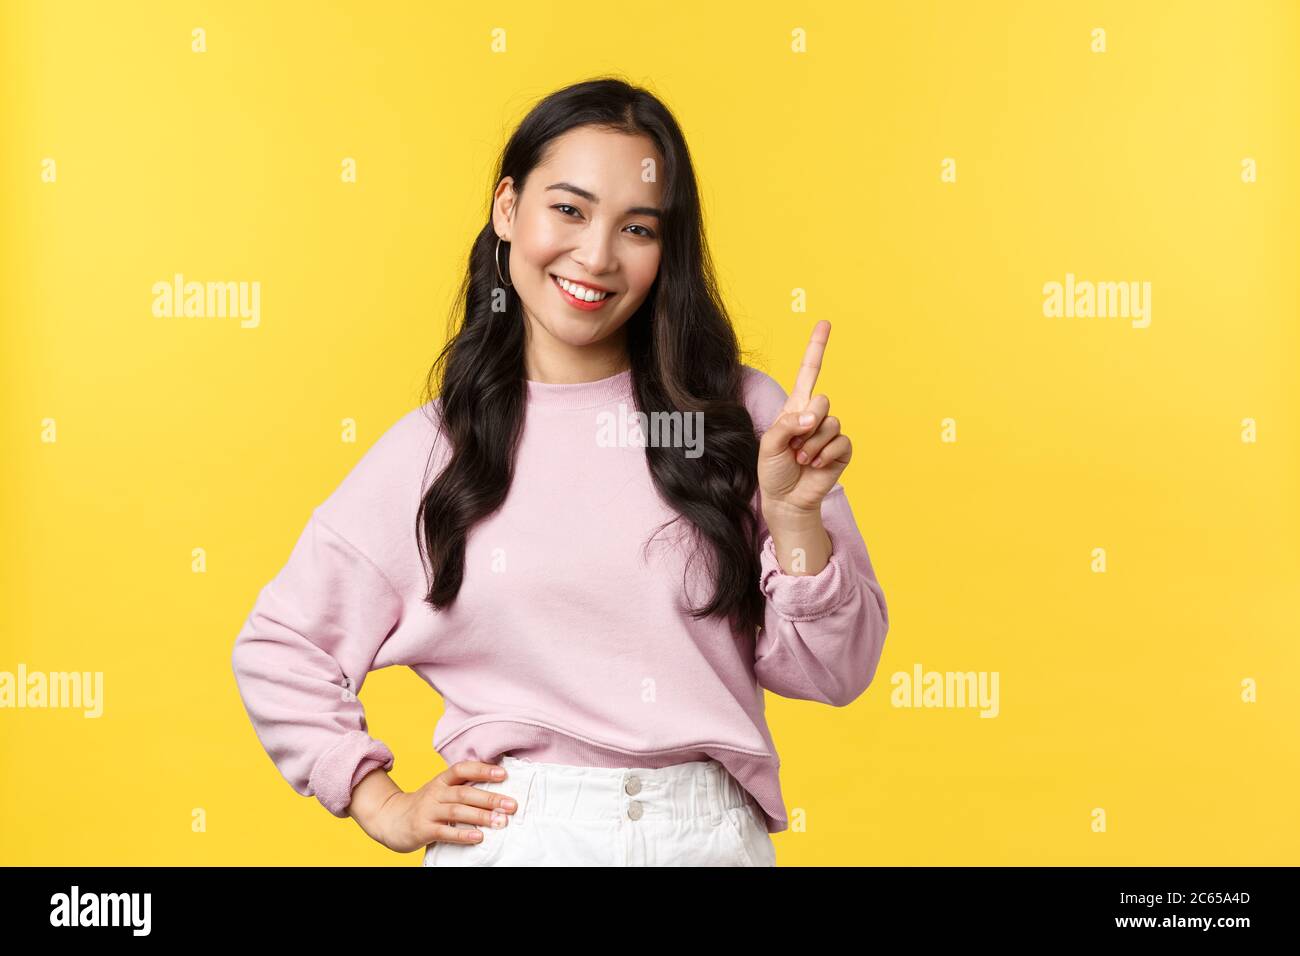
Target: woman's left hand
pixel 799 463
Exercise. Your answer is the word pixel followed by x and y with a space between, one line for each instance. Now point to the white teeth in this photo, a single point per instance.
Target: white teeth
pixel 581 292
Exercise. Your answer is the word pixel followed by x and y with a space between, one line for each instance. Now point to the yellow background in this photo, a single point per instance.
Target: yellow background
pixel 819 171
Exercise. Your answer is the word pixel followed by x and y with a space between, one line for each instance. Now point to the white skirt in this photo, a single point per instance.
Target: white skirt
pixel 687 814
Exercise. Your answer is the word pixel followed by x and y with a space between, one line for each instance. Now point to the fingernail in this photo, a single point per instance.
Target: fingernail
pixel 509 804
pixel 498 773
pixel 498 820
pixel 803 457
pixel 806 418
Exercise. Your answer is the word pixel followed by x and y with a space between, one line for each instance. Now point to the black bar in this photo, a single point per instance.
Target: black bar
pixel 335 905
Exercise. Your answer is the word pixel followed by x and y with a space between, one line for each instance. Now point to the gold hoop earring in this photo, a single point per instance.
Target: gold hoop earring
pixel 496 256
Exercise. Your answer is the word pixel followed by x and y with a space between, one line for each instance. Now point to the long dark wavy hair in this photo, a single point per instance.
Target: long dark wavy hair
pixel 682 349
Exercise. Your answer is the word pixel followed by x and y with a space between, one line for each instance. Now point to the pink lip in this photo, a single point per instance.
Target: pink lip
pixel 589 285
pixel 580 303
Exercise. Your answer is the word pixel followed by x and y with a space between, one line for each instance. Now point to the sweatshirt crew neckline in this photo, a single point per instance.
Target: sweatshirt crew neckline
pixel 602 391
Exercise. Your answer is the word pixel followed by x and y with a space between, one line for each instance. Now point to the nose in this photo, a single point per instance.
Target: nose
pixel 596 252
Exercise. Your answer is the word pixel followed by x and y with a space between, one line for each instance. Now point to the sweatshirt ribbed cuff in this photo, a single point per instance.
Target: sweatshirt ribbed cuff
pixel 805 597
pixel 343 766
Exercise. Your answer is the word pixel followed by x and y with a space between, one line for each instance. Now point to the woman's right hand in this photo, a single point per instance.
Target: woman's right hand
pixel 409 821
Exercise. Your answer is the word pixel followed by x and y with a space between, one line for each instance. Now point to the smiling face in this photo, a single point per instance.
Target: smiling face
pixel 585 216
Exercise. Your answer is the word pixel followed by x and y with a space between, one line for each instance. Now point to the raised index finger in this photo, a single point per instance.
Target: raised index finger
pixel 801 394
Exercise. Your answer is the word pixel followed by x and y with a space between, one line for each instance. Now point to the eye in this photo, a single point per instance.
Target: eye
pixel 648 233
pixel 565 205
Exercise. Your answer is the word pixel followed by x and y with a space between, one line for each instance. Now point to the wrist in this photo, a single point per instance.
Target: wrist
pixel 780 516
pixel 369 799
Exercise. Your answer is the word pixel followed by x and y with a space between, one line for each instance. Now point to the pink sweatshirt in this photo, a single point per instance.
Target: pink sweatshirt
pixel 564 644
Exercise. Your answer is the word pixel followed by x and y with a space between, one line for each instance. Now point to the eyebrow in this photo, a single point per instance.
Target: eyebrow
pixel 591 197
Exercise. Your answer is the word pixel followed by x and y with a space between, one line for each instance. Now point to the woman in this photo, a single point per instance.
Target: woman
pixel 518 541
